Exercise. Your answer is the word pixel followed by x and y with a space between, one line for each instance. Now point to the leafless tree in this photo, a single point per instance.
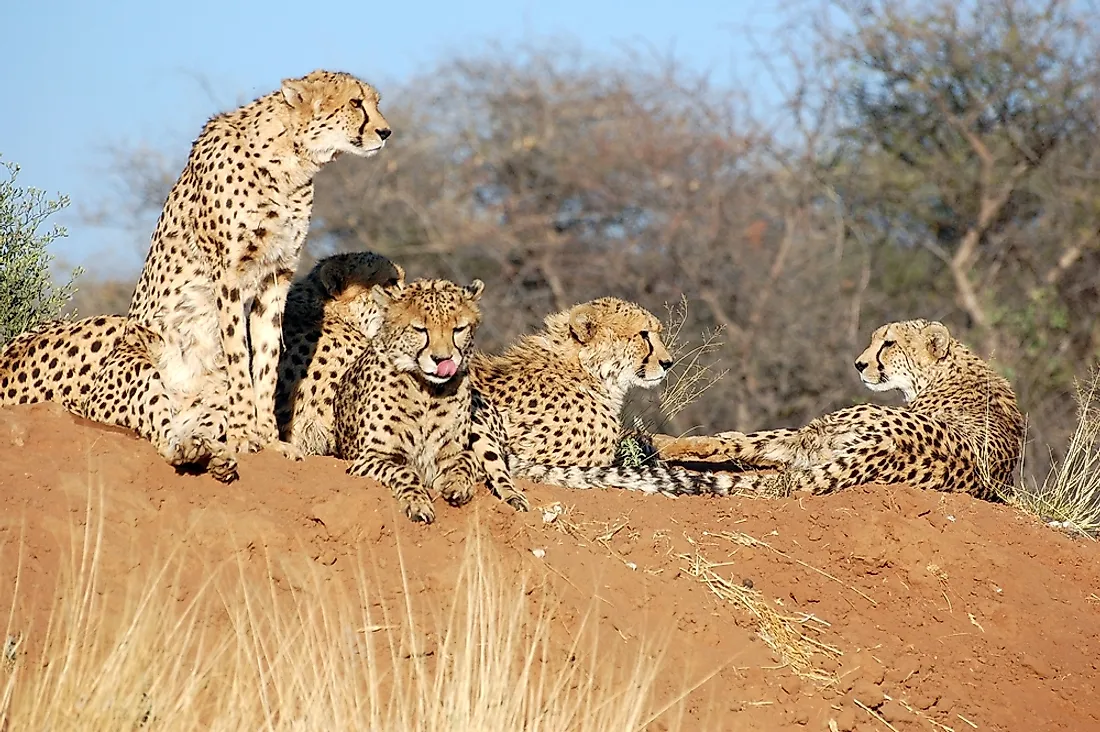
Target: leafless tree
pixel 925 160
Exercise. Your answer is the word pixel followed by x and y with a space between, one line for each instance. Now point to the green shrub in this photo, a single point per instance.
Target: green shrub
pixel 28 294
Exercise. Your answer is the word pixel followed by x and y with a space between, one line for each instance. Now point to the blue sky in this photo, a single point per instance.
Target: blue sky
pixel 79 77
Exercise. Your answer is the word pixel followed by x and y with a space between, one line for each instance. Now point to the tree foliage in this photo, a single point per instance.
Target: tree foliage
pixel 28 294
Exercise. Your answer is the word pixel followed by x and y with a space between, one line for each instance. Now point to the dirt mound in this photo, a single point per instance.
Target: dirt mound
pixel 879 608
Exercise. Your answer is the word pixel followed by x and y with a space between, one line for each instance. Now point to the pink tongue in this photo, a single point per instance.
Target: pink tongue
pixel 445 368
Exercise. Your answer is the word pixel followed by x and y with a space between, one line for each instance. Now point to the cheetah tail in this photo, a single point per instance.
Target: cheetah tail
pixel 670 480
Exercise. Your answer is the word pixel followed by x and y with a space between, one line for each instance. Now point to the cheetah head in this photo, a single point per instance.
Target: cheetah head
pixel 904 355
pixel 348 280
pixel 428 326
pixel 616 341
pixel 335 113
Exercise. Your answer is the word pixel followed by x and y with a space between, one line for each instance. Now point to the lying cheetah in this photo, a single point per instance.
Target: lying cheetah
pixel 551 401
pixel 403 408
pixel 330 317
pixel 63 361
pixel 960 430
pixel 228 241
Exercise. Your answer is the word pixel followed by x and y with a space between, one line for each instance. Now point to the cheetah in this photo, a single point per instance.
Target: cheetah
pixel 960 431
pixel 551 402
pixel 63 361
pixel 403 408
pixel 330 317
pixel 228 241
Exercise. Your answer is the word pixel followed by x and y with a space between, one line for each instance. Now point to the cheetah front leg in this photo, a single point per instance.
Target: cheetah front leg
pixel 751 449
pixel 770 448
pixel 129 392
pixel 456 475
pixel 825 458
pixel 265 330
pixel 488 440
pixel 390 471
pixel 239 400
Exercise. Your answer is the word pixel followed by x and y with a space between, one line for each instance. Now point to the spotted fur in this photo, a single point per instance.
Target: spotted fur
pixel 551 402
pixel 330 318
pixel 63 361
pixel 960 431
pixel 403 408
pixel 228 242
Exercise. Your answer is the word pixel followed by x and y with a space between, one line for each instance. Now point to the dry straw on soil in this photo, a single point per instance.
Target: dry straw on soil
pixel 795 640
pixel 237 651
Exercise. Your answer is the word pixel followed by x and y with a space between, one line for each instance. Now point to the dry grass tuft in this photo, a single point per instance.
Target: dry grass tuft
pixel 690 377
pixel 241 651
pixel 1069 497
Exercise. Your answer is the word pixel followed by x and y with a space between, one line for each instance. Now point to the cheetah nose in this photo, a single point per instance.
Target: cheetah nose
pixel 385 133
pixel 666 364
pixel 860 366
pixel 440 359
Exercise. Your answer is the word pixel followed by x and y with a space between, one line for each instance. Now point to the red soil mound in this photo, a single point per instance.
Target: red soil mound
pixel 904 609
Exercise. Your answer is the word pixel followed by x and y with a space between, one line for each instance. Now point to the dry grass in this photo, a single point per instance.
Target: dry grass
pixel 791 638
pixel 240 651
pixel 1069 497
pixel 690 377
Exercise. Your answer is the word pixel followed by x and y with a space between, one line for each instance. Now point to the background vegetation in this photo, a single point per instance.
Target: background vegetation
pixel 934 160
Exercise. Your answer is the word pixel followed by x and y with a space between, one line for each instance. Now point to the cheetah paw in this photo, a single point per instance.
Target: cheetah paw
pixel 186 450
pixel 286 449
pixel 518 502
pixel 674 448
pixel 244 446
pixel 222 465
pixel 198 450
pixel 458 493
pixel 419 509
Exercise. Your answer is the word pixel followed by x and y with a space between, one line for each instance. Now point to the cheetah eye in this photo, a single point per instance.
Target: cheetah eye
pixel 419 328
pixel 887 344
pixel 460 328
pixel 357 103
pixel 644 334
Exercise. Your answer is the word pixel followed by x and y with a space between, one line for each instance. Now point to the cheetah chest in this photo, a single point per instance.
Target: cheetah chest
pixel 276 233
pixel 432 424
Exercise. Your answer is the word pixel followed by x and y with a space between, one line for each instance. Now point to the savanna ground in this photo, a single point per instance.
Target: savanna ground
pixel 299 598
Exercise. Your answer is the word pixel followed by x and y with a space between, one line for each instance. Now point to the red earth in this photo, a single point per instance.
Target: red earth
pixel 878 608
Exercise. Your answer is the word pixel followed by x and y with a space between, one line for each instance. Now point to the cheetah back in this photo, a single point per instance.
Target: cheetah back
pixel 330 318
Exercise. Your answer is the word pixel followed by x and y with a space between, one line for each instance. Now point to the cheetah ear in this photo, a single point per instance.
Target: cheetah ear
pixel 382 298
pixel 582 326
pixel 333 278
pixel 299 94
pixel 938 339
pixel 474 290
pixel 294 91
pixel 400 274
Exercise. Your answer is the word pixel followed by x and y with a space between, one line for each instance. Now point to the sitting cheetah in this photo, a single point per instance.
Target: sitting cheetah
pixel 403 408
pixel 330 317
pixel 62 361
pixel 228 241
pixel 960 430
pixel 551 402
